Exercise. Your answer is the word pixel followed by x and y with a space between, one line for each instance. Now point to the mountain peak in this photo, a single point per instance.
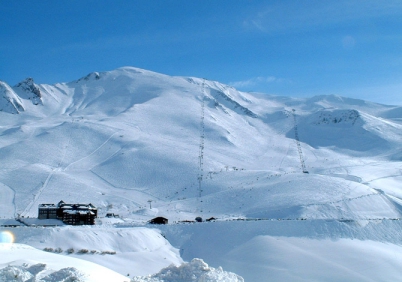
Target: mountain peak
pixel 90 76
pixel 337 100
pixel 27 89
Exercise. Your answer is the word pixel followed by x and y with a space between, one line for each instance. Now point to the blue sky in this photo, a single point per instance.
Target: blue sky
pixel 288 47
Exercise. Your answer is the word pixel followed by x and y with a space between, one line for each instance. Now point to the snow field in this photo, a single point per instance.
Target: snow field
pixel 19 262
pixel 122 138
pixel 136 251
pixel 312 250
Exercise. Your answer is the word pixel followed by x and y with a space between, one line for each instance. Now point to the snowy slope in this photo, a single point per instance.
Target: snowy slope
pixel 10 102
pixel 308 250
pixel 44 266
pixel 138 251
pixel 129 139
pixel 119 135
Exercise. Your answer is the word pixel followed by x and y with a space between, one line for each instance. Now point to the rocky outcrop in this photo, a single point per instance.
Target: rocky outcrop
pixel 27 89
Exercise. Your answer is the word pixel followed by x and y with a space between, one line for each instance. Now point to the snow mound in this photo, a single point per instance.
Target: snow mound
pixel 196 270
pixel 14 273
pixel 33 273
pixel 20 262
pixel 65 274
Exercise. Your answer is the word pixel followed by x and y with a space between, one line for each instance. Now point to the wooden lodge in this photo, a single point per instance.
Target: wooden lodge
pixel 73 214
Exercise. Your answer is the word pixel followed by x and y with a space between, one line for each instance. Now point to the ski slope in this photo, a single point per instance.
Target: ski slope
pixel 128 138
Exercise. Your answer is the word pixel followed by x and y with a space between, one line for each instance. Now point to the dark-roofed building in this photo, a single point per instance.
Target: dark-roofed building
pixel 47 211
pixel 73 214
pixel 159 220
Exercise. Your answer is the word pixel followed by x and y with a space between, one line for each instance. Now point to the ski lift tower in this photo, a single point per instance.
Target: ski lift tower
pixel 299 150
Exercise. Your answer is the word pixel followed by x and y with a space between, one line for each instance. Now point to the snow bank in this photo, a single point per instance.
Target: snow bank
pixel 196 270
pixel 137 251
pixel 266 258
pixel 19 262
pixel 31 273
pixel 42 266
pixel 295 250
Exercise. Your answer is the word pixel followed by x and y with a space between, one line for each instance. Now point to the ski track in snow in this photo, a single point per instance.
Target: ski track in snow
pixel 384 177
pixel 126 189
pixel 3 199
pixel 44 184
pixel 94 151
pixel 37 194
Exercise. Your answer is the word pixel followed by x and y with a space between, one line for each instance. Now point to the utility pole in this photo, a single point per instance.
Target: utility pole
pixel 201 149
pixel 299 150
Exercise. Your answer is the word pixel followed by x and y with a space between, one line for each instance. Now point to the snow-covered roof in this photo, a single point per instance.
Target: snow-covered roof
pixel 43 222
pixel 78 212
pixel 10 222
pixel 84 212
pixel 87 206
pixel 70 211
pixel 47 206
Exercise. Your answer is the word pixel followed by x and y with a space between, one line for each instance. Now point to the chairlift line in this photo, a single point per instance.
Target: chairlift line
pixel 201 148
pixel 299 150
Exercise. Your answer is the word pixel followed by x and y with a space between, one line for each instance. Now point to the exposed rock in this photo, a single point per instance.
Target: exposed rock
pixel 27 89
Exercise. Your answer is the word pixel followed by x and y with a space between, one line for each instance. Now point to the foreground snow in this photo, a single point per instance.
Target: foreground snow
pixel 287 250
pixel 196 270
pixel 272 250
pixel 19 262
pixel 133 251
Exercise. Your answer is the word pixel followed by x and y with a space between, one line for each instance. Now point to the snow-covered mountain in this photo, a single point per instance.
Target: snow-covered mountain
pixel 143 144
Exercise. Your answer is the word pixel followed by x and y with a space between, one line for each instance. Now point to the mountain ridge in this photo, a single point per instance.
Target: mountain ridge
pixel 299 177
pixel 184 142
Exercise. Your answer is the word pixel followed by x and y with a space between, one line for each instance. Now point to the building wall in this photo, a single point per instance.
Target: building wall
pixel 78 219
pixel 47 213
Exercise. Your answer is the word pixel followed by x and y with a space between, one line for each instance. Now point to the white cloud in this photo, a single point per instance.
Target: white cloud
pixel 348 42
pixel 256 81
pixel 298 15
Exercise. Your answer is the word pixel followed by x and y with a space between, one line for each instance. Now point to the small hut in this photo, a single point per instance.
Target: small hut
pixel 158 220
